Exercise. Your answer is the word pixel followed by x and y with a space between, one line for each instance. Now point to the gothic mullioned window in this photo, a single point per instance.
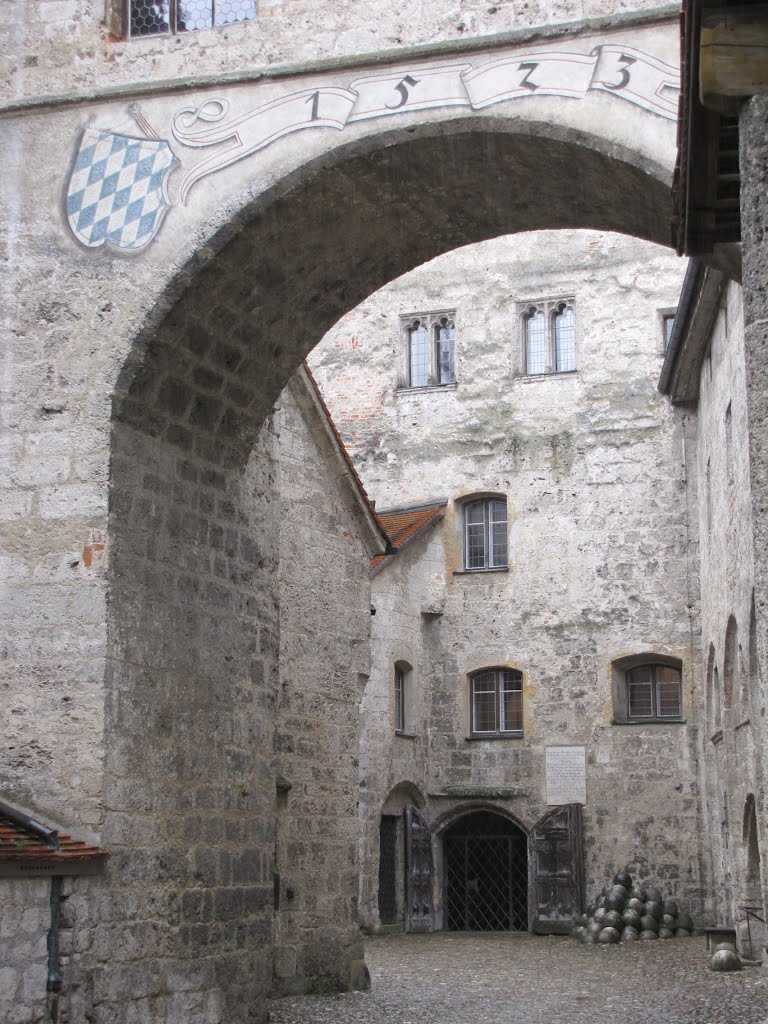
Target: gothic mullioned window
pixel 496 702
pixel 428 350
pixel 485 533
pixel 144 18
pixel 549 336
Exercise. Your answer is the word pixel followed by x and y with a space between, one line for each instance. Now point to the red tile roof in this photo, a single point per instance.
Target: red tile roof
pixel 405 524
pixel 26 852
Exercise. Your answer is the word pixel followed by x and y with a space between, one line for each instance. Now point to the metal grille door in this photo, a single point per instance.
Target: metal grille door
pixel 486 875
pixel 388 869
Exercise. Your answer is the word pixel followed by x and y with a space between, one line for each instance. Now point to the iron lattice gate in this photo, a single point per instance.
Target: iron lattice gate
pixel 388 869
pixel 486 876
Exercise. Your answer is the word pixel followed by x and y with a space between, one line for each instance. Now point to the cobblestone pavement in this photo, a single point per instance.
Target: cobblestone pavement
pixel 473 979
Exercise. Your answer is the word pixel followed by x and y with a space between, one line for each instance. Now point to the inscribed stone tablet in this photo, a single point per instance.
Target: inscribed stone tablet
pixel 566 772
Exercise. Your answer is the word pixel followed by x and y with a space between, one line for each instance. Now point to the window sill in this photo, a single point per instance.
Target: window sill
pixel 472 738
pixel 475 572
pixel 426 387
pixel 649 721
pixel 406 735
pixel 547 376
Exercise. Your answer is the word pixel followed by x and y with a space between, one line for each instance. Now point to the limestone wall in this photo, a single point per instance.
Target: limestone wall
pixel 325 546
pixel 25 918
pixel 731 705
pixel 593 465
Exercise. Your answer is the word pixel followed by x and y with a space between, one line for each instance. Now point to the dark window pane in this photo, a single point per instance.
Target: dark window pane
pixel 484 703
pixel 511 700
pixel 399 700
pixel 668 692
pixel 640 692
pixel 149 18
pixel 497 511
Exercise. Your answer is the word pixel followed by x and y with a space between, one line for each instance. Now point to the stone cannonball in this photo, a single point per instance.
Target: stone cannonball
pixel 630 934
pixel 725 945
pixel 682 933
pixel 635 904
pixel 670 907
pixel 648 923
pixel 666 933
pixel 654 907
pixel 595 927
pixel 631 917
pixel 668 921
pixel 725 960
pixel 613 919
pixel 651 892
pixel 608 935
pixel 647 934
pixel 623 878
pixel 685 921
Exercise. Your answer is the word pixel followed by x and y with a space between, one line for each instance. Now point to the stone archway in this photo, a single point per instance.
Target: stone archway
pixel 193 609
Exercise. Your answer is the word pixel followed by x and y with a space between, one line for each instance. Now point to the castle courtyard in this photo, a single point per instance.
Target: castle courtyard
pixel 449 978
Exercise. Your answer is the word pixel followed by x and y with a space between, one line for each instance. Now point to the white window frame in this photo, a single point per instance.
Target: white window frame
pixel 505 680
pixel 489 521
pixel 437 373
pixel 548 310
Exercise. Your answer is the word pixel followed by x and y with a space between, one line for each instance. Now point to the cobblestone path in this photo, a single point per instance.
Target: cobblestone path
pixel 477 979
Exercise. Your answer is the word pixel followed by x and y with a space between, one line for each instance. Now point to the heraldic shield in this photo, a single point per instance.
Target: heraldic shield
pixel 117 193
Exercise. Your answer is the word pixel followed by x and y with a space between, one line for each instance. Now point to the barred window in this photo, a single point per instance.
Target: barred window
pixel 496 702
pixel 428 350
pixel 485 534
pixel 654 692
pixel 151 19
pixel 549 336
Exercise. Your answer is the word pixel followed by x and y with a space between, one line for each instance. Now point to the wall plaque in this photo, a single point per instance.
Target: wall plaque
pixel 566 774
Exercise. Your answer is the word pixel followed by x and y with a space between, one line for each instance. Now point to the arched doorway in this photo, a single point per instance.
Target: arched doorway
pixel 485 859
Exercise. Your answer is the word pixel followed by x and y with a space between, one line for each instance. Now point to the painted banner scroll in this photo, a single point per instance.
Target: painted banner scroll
pixel 622 71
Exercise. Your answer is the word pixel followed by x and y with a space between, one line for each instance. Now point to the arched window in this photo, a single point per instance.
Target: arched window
pixel 418 355
pixel 647 688
pixel 654 692
pixel 496 702
pixel 565 339
pixel 445 331
pixel 535 342
pixel 485 534
pixel 549 336
pixel 402 678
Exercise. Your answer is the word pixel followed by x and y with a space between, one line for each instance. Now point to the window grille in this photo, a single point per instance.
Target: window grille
pixel 445 331
pixel 485 534
pixel 170 16
pixel 536 353
pixel 496 702
pixel 486 875
pixel 388 869
pixel 565 340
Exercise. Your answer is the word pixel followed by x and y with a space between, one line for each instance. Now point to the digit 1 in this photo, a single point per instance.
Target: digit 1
pixel 314 99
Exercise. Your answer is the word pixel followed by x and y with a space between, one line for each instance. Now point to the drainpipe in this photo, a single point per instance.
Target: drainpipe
pixel 48 835
pixel 54 970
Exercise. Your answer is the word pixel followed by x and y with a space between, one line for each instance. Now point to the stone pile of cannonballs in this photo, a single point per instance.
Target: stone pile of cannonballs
pixel 626 911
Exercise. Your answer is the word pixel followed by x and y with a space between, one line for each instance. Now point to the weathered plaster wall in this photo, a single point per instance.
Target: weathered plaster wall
pixel 325 547
pixel 593 465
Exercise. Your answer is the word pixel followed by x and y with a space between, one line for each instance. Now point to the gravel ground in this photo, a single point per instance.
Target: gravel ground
pixel 450 978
